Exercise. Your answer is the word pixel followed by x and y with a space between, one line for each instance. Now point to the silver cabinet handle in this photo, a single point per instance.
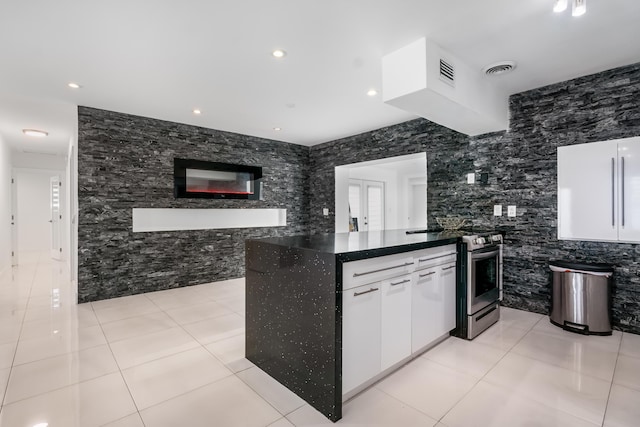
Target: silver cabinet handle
pixel 449 268
pixel 434 257
pixel 400 283
pixel 613 207
pixel 382 269
pixel 357 294
pixel 622 183
pixel 427 274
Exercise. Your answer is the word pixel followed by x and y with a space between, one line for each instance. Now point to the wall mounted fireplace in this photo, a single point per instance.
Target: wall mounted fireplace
pixel 213 180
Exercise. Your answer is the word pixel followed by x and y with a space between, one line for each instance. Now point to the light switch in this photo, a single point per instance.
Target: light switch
pixel 497 210
pixel 325 211
pixel 471 178
pixel 511 210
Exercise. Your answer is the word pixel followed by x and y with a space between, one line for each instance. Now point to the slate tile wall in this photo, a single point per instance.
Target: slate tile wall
pixel 444 147
pixel 522 167
pixel 522 171
pixel 126 161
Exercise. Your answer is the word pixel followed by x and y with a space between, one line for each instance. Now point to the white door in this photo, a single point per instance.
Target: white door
pixel 587 191
pixel 396 321
pixel 56 217
pixel 629 189
pixel 14 221
pixel 366 204
pixel 360 335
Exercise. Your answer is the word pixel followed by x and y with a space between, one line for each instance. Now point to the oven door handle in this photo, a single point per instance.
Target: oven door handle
pixel 484 255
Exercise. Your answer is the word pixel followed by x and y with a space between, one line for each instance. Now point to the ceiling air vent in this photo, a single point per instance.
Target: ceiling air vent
pixel 447 72
pixel 499 68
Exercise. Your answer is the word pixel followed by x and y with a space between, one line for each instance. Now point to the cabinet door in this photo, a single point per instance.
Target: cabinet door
pixel 360 335
pixel 423 297
pixel 629 189
pixel 396 321
pixel 587 191
pixel 448 283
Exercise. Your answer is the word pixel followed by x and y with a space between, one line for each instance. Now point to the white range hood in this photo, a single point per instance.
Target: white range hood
pixel 425 80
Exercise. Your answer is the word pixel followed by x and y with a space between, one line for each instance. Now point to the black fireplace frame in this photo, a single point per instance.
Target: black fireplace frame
pixel 180 167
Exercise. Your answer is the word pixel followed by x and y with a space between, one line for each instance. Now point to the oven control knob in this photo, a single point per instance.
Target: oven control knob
pixel 481 240
pixel 496 238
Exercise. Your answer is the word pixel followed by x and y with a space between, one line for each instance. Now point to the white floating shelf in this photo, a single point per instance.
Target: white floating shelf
pixel 160 219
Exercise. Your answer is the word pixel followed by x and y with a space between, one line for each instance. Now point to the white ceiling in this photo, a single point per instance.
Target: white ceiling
pixel 163 58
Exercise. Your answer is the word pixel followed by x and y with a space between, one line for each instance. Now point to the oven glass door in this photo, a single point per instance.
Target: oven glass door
pixel 484 278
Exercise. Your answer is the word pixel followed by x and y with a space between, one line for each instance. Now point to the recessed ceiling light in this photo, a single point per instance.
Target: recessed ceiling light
pixel 73 85
pixel 41 425
pixel 197 111
pixel 579 7
pixel 560 6
pixel 277 129
pixel 279 53
pixel 35 132
pixel 372 92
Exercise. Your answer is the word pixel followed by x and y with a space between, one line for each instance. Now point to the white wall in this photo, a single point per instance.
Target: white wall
pixel 38 161
pixel 5 205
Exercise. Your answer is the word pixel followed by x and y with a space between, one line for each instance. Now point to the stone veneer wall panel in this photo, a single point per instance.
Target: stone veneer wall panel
pixel 523 167
pixel 126 161
pixel 522 171
pixel 444 148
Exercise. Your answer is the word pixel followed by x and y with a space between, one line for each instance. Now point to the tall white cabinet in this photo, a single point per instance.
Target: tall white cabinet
pixel 599 191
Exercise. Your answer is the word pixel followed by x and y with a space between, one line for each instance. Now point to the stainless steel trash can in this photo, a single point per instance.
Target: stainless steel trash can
pixel 581 297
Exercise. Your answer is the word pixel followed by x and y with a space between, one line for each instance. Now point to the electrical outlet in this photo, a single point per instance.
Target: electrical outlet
pixel 471 178
pixel 511 210
pixel 325 211
pixel 497 210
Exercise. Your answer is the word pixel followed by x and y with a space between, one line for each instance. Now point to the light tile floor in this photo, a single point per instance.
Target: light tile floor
pixel 175 358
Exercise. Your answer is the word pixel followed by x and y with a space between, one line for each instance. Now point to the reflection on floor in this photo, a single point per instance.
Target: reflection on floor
pixel 175 358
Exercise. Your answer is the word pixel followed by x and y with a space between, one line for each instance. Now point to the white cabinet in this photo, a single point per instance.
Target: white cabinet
pixel 407 302
pixel 433 308
pixel 447 315
pixel 396 321
pixel 599 191
pixel 425 284
pixel 360 335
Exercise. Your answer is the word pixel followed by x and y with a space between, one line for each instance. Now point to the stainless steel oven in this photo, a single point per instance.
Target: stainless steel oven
pixel 482 289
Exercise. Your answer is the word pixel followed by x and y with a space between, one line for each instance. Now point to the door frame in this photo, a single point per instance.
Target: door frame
pixel 14 205
pixel 363 223
pixel 14 219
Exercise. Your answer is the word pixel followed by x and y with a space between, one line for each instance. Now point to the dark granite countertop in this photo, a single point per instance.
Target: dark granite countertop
pixel 360 245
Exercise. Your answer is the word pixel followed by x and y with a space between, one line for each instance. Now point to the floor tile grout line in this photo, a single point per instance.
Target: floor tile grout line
pixel 15 350
pixel 512 390
pixel 539 361
pixel 167 356
pixel 135 404
pixel 261 397
pixel 604 416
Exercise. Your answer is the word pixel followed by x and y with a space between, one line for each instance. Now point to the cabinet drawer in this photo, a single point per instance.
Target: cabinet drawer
pixel 356 273
pixel 427 258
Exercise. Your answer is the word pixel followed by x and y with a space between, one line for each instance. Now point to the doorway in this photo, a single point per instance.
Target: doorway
pixel 390 193
pixel 366 205
pixel 38 212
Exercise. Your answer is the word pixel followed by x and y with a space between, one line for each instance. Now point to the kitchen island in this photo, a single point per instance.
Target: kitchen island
pixel 309 300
